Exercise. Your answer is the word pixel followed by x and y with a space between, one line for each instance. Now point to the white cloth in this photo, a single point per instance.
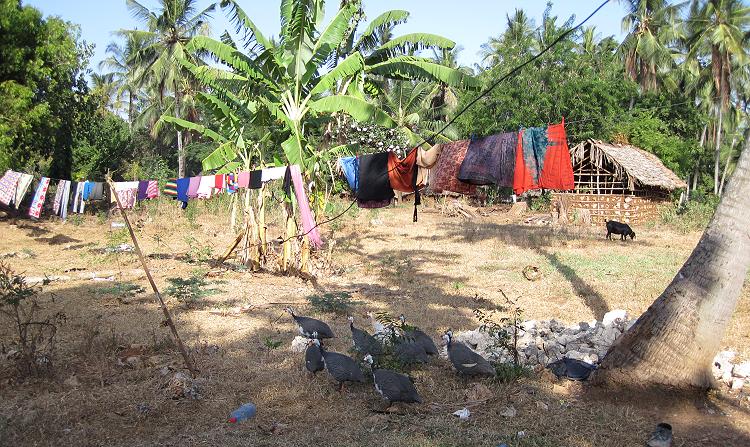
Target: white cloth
pixel 206 186
pixel 23 185
pixel 269 174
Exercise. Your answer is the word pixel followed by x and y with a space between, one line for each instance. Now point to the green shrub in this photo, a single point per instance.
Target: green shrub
pixel 190 291
pixel 693 216
pixel 509 372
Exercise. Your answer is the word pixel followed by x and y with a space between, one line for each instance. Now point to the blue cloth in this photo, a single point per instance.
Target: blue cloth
pixel 87 188
pixel 182 189
pixel 350 166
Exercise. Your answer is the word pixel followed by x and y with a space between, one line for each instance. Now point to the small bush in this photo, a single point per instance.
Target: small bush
pixel 693 216
pixel 336 302
pixel 197 253
pixel 190 291
pixel 503 324
pixel 121 290
pixel 33 335
pixel 541 203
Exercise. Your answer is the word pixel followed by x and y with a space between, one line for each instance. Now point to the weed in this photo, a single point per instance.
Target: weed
pixel 76 219
pixel 197 253
pixel 271 344
pixel 503 324
pixel 335 302
pixel 190 291
pixel 191 214
pixel 693 216
pixel 122 290
pixel 542 202
pixel 101 217
pixel 31 253
pixel 34 335
pixel 117 237
pixel 458 285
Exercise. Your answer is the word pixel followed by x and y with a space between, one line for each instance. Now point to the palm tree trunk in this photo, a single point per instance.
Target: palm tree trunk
pixel 131 109
pixel 726 166
pixel 673 343
pixel 180 149
pixel 717 153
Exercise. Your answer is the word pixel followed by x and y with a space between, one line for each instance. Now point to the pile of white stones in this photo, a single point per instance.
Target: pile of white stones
pixel 542 342
pixel 735 376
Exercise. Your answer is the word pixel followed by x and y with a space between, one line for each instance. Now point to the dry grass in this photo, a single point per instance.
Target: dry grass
pixel 435 272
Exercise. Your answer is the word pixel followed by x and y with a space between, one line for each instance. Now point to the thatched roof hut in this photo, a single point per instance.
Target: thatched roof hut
pixel 620 182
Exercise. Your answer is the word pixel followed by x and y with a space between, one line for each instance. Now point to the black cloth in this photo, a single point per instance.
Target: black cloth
pixel 255 179
pixel 490 160
pixel 374 184
pixel 287 185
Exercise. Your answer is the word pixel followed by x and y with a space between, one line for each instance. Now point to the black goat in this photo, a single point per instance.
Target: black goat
pixel 620 228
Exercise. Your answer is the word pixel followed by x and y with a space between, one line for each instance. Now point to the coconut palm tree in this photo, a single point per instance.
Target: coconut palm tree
pixel 121 63
pixel 651 26
pixel 518 37
pixel 717 31
pixel 169 31
pixel 444 98
pixel 673 343
pixel 105 87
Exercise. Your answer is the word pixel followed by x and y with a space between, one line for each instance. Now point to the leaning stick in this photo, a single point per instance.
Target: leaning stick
pixel 167 316
pixel 231 248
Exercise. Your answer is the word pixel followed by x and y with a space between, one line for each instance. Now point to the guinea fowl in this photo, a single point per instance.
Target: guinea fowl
pixel 308 326
pixel 418 336
pixel 408 351
pixel 313 356
pixel 364 343
pixel 465 360
pixel 342 368
pixel 394 387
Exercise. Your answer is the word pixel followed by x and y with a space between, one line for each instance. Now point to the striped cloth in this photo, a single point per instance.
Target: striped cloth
pixel 153 189
pixel 170 189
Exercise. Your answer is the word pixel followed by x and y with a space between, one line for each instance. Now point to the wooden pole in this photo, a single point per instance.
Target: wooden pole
pixel 231 248
pixel 167 316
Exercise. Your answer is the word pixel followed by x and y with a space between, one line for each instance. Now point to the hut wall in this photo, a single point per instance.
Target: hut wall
pixel 622 208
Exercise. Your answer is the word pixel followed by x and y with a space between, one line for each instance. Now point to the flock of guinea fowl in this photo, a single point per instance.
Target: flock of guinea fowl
pixel 410 346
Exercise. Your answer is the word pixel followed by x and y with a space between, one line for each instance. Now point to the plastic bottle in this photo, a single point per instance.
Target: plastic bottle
pixel 246 411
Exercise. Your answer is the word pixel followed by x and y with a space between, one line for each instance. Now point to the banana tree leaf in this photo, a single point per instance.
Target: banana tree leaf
pixel 225 153
pixel 385 21
pixel 412 68
pixel 244 25
pixel 347 68
pixel 231 57
pixel 329 40
pixel 359 109
pixel 409 44
pixel 293 151
pixel 230 167
pixel 203 130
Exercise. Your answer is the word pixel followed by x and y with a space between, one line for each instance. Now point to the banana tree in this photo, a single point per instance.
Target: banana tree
pixel 292 84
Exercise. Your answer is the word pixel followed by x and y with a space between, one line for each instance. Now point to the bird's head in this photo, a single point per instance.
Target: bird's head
pixel 350 319
pixel 448 336
pixel 315 335
pixel 402 319
pixel 289 310
pixel 368 359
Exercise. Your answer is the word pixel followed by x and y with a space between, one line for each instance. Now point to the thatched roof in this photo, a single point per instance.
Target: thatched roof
pixel 635 165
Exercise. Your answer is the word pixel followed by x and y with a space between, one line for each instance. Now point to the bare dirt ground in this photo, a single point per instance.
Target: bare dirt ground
pixel 436 272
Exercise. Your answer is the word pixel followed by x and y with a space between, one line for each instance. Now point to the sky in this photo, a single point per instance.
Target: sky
pixel 469 23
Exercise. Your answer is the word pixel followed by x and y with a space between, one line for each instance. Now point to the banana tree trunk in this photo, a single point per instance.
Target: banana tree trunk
pixel 673 343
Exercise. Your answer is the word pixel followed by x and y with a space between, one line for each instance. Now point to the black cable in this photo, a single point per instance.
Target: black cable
pixel 513 72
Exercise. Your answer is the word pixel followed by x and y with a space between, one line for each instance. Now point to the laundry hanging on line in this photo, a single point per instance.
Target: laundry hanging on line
pixel 490 160
pixel 543 160
pixel 35 210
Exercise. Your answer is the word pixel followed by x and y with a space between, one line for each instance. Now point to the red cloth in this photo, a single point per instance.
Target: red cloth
pixel 401 172
pixel 444 175
pixel 558 168
pixel 219 181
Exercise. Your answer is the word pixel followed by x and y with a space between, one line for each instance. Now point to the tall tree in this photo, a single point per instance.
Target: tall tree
pixel 718 28
pixel 518 35
pixel 122 63
pixel 650 25
pixel 170 30
pixel 675 340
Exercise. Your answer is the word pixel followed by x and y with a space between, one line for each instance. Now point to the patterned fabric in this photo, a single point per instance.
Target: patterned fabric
pixel 78 203
pixel 152 191
pixel 64 199
pixel 39 196
pixel 490 160
pixel 230 183
pixel 58 197
pixel 444 175
pixel 543 160
pixel 8 185
pixel 23 185
pixel 127 193
pixel 170 188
